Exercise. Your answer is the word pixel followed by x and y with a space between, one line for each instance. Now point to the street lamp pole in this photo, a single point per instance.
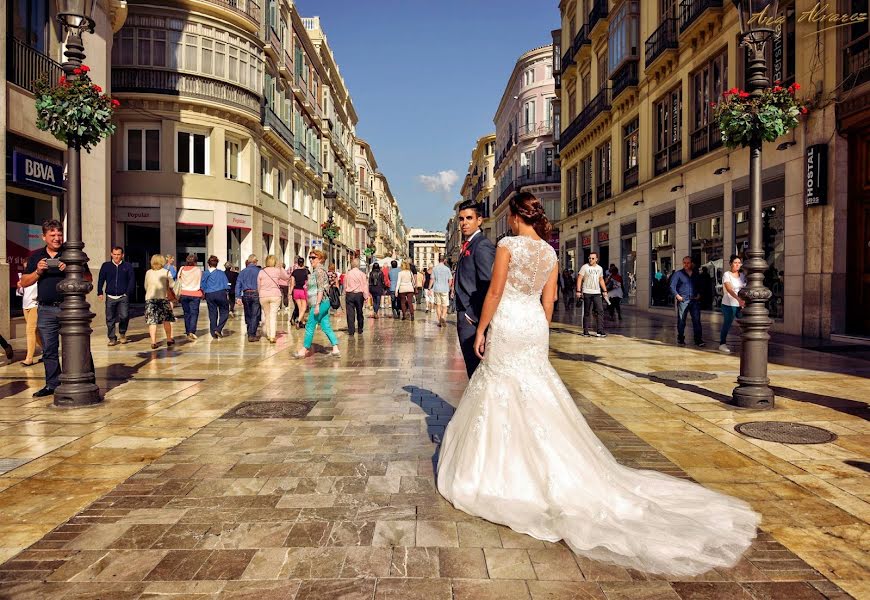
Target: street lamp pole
pixel 329 197
pixel 753 385
pixel 78 385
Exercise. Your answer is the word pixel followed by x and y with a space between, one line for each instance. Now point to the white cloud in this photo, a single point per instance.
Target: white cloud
pixel 442 182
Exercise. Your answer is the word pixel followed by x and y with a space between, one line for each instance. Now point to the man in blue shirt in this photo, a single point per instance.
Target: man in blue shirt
pixel 394 281
pixel 686 288
pixel 117 280
pixel 247 296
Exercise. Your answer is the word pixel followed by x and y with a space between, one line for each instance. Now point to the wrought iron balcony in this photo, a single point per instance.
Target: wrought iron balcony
pixel 250 9
pixel 572 206
pixel 599 104
pixel 662 39
pixel 543 177
pixel 604 191
pixel 586 200
pixel 691 10
pixel 268 118
pixel 856 62
pixel 599 11
pixel 153 81
pixel 669 158
pixel 511 187
pixel 630 178
pixel 26 65
pixel 624 78
pixel 581 39
pixel 705 139
pixel 567 59
pixel 539 128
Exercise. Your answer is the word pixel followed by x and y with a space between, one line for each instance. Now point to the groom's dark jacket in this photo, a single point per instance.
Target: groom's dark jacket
pixel 473 274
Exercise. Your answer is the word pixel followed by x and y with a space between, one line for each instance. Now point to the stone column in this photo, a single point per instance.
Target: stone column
pixel 643 259
pixel 4 264
pixel 682 244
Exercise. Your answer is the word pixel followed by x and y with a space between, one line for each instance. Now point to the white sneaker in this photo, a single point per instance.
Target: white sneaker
pixel 724 348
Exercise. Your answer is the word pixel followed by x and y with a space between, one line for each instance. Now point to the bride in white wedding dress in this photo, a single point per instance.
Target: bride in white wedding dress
pixel 518 451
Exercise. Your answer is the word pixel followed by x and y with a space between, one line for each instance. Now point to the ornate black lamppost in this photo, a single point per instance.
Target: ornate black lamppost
pixel 753 389
pixel 78 385
pixel 329 197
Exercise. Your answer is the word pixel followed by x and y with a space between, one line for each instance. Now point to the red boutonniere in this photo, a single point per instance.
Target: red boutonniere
pixel 468 253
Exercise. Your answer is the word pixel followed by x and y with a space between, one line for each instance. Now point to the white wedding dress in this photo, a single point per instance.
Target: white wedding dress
pixel 518 452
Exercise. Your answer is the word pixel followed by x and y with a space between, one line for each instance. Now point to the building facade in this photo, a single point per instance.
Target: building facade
pixel 525 151
pixel 646 180
pixel 479 179
pixel 366 166
pixel 32 174
pixel 425 247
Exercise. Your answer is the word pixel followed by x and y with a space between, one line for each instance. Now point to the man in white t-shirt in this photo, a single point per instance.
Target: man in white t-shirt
pixel 440 283
pixel 591 288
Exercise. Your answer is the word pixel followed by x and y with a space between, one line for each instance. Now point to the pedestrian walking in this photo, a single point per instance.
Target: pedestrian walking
pixel 118 282
pixel 285 289
pixel 299 275
pixel 614 292
pixel 419 281
pixel 248 296
pixel 318 301
pixel 591 288
pixel 732 282
pixel 442 282
pixel 45 269
pixel 214 285
pixel 233 277
pixel 170 266
pixel 31 308
pixel 427 289
pixel 356 293
pixel 8 351
pixel 685 286
pixel 158 310
pixel 376 288
pixel 387 298
pixel 269 288
pixel 406 291
pixel 394 280
pixel 188 288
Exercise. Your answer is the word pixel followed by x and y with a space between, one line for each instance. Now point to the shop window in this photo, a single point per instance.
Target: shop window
pixel 662 258
pixel 191 153
pixel 234 246
pixel 773 243
pixel 143 149
pixel 232 159
pixel 707 250
pixel 628 270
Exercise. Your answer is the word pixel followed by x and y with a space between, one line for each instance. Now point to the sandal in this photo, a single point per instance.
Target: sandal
pixel 154 346
pixel 170 342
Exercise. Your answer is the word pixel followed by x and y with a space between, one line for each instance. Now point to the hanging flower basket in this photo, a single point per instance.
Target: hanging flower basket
pixel 744 119
pixel 75 111
pixel 329 230
pixel 370 250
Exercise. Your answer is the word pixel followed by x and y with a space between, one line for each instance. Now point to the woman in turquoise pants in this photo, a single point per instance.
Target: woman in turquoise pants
pixel 318 283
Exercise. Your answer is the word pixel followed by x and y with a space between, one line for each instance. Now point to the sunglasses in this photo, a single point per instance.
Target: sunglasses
pixel 313 256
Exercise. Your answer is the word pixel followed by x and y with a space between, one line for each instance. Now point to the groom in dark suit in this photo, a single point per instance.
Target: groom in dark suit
pixel 471 281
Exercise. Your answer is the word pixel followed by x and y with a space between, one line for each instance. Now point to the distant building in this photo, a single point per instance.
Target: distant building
pixel 424 247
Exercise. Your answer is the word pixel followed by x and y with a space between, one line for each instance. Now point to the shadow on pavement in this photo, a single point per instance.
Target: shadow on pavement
pixel 438 415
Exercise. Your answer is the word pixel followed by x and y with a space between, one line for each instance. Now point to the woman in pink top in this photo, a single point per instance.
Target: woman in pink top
pixel 269 283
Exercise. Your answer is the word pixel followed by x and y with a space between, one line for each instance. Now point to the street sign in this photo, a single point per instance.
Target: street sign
pixel 817 175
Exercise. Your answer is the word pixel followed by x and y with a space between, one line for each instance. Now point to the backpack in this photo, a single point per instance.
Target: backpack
pixel 376 279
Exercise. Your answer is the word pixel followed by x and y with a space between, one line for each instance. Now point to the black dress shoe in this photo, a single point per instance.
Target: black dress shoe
pixel 9 352
pixel 46 391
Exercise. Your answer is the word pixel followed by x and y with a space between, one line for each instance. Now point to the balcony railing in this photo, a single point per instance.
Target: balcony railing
pixel 663 38
pixel 599 11
pixel 567 59
pixel 27 65
pixel 249 9
pixel 151 81
pixel 856 62
pixel 690 10
pixel 269 119
pixel 624 78
pixel 580 39
pixel 505 193
pixel 543 177
pixel 540 128
pixel 704 139
pixel 572 206
pixel 669 158
pixel 604 191
pixel 301 151
pixel 586 200
pixel 599 104
pixel 630 179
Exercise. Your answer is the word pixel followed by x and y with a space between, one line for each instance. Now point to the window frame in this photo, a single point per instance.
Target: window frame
pixel 266 174
pixel 190 131
pixel 143 127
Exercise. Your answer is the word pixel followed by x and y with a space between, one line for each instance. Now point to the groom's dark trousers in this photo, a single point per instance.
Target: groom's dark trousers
pixel 470 284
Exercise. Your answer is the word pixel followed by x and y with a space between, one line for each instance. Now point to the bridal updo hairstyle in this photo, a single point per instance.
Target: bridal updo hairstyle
pixel 527 207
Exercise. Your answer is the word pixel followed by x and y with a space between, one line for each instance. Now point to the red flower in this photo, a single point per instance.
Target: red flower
pixel 712 104
pixel 733 90
pixel 726 93
pixel 777 82
pixel 85 68
pixel 777 89
pixel 62 80
pixel 77 71
pixel 115 103
pixel 804 110
pixel 97 88
pixel 796 86
pixel 743 94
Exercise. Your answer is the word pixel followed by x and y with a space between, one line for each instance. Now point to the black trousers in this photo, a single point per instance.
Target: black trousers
pixel 251 302
pixel 592 303
pixel 354 308
pixel 467 332
pixel 218 310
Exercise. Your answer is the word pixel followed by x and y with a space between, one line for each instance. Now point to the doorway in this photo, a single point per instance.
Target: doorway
pixel 858 240
pixel 142 242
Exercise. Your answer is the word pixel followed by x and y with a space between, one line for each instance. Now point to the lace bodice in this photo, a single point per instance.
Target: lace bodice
pixel 531 263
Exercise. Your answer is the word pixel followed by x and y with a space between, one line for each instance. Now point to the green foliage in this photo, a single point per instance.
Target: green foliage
pixel 744 118
pixel 370 250
pixel 75 111
pixel 329 230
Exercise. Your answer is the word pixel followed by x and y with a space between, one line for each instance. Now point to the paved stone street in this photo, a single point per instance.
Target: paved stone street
pixel 158 493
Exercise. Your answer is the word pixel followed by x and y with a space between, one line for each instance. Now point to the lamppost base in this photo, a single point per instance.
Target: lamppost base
pixel 753 395
pixel 76 395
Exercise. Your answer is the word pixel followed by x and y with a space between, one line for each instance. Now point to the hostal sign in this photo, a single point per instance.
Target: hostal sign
pixel 817 175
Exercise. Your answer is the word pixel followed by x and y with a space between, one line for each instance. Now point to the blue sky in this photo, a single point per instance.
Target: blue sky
pixel 426 77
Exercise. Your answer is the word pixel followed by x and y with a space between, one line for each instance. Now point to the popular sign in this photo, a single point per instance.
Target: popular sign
pixel 817 175
pixel 37 172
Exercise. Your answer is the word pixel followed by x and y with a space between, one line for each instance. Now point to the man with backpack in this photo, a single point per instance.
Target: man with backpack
pixel 377 286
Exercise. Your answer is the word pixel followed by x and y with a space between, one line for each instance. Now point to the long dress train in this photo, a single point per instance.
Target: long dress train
pixel 519 452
